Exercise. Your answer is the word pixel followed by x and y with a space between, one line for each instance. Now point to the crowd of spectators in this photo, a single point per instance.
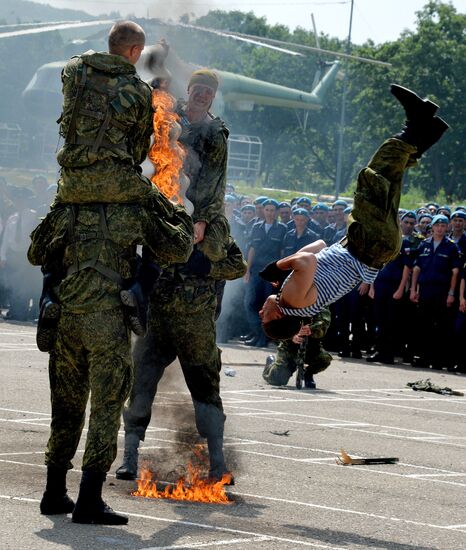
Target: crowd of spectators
pixel 20 210
pixel 415 311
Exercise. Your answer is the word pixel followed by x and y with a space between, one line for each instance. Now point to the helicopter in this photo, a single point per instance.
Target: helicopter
pixel 42 96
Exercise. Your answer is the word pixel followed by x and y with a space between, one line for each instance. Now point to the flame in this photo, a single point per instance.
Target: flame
pixel 166 154
pixel 191 487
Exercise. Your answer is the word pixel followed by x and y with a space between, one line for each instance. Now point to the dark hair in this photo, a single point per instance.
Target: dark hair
pixel 282 329
pixel 124 35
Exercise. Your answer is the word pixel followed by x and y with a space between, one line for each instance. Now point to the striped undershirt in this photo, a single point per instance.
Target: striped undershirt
pixel 337 273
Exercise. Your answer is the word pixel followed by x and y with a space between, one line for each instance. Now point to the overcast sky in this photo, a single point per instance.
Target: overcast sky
pixel 379 20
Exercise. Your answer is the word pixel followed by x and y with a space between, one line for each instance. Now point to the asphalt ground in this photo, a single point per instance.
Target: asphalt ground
pixel 289 493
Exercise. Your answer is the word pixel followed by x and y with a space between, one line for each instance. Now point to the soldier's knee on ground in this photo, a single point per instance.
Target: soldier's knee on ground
pixel 276 375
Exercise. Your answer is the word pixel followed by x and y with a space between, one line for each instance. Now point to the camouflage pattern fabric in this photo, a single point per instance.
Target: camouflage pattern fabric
pixel 206 167
pixel 374 235
pixel 181 325
pixel 316 358
pixel 164 228
pixel 109 173
pixel 91 355
pixel 216 236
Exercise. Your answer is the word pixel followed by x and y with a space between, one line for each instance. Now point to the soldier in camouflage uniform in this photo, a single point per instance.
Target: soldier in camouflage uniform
pixel 182 325
pixel 205 139
pixel 96 246
pixel 91 250
pixel 279 369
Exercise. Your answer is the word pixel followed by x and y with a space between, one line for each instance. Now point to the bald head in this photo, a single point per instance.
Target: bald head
pixel 126 38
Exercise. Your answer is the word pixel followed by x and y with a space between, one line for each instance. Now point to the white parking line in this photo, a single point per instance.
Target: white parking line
pixel 207 544
pixel 198 525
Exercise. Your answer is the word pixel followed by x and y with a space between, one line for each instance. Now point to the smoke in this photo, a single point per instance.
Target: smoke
pixel 170 462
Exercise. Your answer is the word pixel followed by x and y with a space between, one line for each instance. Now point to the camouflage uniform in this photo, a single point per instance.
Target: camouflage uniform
pixel 206 167
pixel 374 235
pixel 107 125
pixel 316 359
pixel 182 325
pixel 92 351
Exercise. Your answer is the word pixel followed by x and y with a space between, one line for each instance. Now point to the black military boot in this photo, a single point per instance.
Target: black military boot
pixel 210 421
pixel 135 298
pixel 412 103
pixel 55 500
pixel 217 460
pixel 421 129
pixel 309 381
pixel 90 508
pixel 129 467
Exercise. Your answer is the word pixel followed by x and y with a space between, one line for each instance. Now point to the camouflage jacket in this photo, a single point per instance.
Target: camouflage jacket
pixel 113 108
pixel 71 236
pixel 206 164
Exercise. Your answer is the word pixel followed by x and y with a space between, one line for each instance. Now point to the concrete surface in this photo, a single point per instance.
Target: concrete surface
pixel 289 491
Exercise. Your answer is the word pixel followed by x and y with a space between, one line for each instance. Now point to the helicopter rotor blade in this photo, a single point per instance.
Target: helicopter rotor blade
pixel 55 27
pixel 264 40
pixel 242 38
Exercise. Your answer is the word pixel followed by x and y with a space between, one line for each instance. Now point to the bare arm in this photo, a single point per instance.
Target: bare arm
pixel 414 294
pixel 404 279
pixel 453 282
pixel 314 247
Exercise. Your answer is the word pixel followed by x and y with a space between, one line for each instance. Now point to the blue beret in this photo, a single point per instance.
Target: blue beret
pixel 409 214
pixel 320 206
pixel 340 202
pixel 230 198
pixel 458 214
pixel 260 200
pixel 439 218
pixel 305 200
pixel 461 207
pixel 284 204
pixel 248 207
pixel 424 215
pixel 300 212
pixel 445 207
pixel 432 204
pixel 269 202
pixel 348 210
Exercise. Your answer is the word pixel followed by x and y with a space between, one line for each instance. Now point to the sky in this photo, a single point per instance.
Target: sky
pixel 379 20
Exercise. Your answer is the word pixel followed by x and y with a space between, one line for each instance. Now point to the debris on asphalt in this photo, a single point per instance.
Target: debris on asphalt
pixel 286 432
pixel 345 459
pixel 229 371
pixel 427 385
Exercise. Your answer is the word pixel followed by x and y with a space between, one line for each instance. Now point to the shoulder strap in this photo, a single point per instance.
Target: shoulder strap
pixel 81 77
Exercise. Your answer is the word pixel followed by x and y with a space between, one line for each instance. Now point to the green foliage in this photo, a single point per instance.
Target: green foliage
pixel 431 60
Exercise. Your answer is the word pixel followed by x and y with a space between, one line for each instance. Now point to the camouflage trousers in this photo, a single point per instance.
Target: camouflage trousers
pixel 279 372
pixel 181 326
pixel 92 355
pixel 374 235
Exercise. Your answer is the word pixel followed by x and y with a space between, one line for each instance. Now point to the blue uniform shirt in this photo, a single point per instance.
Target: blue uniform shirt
pixel 437 265
pixel 267 245
pixel 292 243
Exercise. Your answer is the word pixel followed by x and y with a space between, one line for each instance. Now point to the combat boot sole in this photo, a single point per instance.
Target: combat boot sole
pixel 415 107
pixel 103 516
pixel 52 505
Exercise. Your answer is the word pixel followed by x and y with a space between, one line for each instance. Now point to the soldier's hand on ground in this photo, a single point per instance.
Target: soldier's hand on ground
pixel 371 292
pixel 450 300
pixel 199 230
pixel 414 296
